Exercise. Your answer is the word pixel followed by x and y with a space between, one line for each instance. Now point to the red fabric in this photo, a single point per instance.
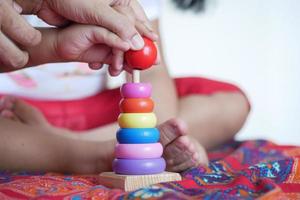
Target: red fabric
pixel 240 170
pixel 103 108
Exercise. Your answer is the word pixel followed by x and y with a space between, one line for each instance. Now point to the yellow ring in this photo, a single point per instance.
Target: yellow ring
pixel 137 120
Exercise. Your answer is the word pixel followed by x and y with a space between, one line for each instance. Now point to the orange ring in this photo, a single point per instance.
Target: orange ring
pixel 136 105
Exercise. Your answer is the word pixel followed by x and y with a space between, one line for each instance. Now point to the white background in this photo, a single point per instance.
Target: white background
pixel 253 43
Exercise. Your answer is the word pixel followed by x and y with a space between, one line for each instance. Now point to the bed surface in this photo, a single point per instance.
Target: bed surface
pixel 239 170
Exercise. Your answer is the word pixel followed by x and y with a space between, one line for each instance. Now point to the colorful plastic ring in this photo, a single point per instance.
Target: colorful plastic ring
pixel 137 120
pixel 137 135
pixel 139 167
pixel 136 90
pixel 136 105
pixel 138 151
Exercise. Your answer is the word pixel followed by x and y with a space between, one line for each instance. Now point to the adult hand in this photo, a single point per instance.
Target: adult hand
pixel 14 32
pixel 96 12
pixel 126 18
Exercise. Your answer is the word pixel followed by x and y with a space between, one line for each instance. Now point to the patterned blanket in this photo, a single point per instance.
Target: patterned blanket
pixel 239 170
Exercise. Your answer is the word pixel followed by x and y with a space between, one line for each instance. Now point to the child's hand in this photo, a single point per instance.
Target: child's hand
pixel 88 43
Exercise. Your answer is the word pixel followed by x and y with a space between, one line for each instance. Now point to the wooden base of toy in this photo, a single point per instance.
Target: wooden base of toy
pixel 133 182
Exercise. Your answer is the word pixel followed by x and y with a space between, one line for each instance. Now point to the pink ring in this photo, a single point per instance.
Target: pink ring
pixel 136 90
pixel 138 151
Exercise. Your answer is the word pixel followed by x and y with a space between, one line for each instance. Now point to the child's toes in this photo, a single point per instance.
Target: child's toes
pixel 185 143
pixel 7 102
pixel 171 130
pixel 178 152
pixel 184 153
pixel 186 161
pixel 191 145
pixel 179 158
pixel 8 114
pixel 201 156
pixel 177 149
pixel 172 151
pixel 187 164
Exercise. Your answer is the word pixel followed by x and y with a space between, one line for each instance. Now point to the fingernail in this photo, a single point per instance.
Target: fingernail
pixel 101 66
pixel 17 7
pixel 95 66
pixel 137 42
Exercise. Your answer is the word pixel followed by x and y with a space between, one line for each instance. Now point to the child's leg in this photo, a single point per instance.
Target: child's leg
pixel 214 111
pixel 212 120
pixel 24 147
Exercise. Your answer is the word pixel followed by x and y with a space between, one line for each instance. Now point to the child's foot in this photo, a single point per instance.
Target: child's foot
pixel 180 150
pixel 18 110
pixel 6 105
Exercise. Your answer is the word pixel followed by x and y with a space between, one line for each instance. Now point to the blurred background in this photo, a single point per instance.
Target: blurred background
pixel 252 43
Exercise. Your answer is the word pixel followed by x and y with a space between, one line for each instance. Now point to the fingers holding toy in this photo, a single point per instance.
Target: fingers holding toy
pixel 143 24
pixel 116 66
pixel 144 58
pixel 87 43
pixel 141 59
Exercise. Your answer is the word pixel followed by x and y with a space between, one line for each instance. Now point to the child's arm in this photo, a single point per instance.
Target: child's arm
pixel 83 43
pixel 214 119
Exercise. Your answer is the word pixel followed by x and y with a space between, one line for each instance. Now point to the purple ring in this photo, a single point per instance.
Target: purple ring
pixel 139 166
pixel 136 90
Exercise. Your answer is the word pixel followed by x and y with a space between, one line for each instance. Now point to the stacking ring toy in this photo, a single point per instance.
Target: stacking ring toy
pixel 136 105
pixel 138 151
pixel 137 120
pixel 137 135
pixel 139 167
pixel 136 90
